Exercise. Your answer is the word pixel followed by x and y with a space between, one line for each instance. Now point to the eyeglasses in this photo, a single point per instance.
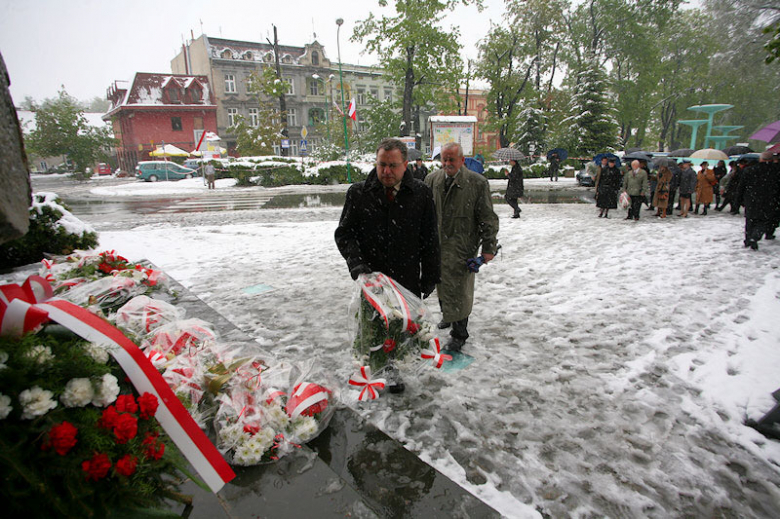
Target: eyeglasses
pixel 392 165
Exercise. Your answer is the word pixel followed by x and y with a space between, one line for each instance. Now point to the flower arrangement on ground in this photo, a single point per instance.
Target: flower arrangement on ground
pixel 75 440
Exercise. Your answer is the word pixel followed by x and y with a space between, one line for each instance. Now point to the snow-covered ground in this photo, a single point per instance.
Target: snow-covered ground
pixel 615 360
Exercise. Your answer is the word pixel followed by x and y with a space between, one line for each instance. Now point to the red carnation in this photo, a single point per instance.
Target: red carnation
pixel 125 428
pixel 62 437
pixel 251 429
pixel 148 404
pixel 413 327
pixel 126 404
pixel 389 345
pixel 154 450
pixel 109 418
pixel 97 467
pixel 125 465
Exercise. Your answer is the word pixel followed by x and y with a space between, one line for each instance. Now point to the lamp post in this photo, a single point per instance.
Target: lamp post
pixel 327 104
pixel 339 22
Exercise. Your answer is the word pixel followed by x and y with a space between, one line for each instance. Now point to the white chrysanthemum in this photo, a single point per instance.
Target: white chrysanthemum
pixel 232 435
pixel 36 402
pixel 78 393
pixel 304 428
pixel 106 391
pixel 3 360
pixel 98 353
pixel 41 354
pixel 5 406
pixel 251 452
pixel 276 417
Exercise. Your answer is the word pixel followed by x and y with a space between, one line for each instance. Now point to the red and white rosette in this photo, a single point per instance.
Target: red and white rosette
pixel 434 353
pixel 307 399
pixel 370 388
pixel 18 313
pixel 172 416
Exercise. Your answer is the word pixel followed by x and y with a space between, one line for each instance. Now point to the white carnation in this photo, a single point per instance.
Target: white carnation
pixel 304 428
pixel 98 353
pixel 276 417
pixel 78 393
pixel 5 406
pixel 3 360
pixel 106 391
pixel 41 354
pixel 36 402
pixel 251 452
pixel 232 435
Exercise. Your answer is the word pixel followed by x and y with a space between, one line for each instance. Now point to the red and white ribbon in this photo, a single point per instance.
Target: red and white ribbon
pixel 307 399
pixel 272 394
pixel 367 285
pixel 172 416
pixel 371 388
pixel 435 353
pixel 402 304
pixel 18 313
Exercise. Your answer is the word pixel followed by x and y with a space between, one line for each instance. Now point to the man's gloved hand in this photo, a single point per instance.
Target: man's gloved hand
pixel 360 268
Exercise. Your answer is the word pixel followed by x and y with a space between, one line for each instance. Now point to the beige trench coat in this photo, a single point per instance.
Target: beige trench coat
pixel 466 221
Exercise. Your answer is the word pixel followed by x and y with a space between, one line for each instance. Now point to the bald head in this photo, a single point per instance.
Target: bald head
pixel 635 164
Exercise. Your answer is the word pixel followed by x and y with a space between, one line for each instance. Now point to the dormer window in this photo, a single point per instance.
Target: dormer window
pixel 226 54
pixel 195 95
pixel 315 58
pixel 269 57
pixel 286 58
pixel 248 56
pixel 174 95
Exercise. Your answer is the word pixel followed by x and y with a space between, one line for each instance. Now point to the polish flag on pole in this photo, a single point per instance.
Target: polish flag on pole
pixel 352 110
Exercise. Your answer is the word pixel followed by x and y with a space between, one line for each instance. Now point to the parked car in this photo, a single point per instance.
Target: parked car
pixel 194 164
pixel 154 170
pixel 584 178
pixel 103 169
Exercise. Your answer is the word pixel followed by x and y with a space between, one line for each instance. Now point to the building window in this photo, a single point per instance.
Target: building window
pixel 254 117
pixel 248 55
pixel 176 124
pixel 227 54
pixel 315 58
pixel 173 95
pixel 388 94
pixel 195 95
pixel 290 85
pixel 293 148
pixel 232 113
pixel 314 87
pixel 316 116
pixel 292 117
pixel 375 92
pixel 277 149
pixel 230 84
pixel 361 95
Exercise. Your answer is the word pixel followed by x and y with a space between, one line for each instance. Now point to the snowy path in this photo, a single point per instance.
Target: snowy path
pixel 615 363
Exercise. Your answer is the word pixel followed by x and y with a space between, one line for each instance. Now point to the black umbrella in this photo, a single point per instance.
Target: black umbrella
pixel 737 150
pixel 629 151
pixel 682 152
pixel 562 153
pixel 664 161
pixel 637 155
pixel 413 154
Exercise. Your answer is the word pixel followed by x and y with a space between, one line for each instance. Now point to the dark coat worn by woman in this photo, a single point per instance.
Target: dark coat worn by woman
pixel 610 180
pixel 515 188
pixel 399 238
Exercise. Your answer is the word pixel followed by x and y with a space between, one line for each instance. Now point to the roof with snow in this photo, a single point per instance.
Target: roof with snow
pixel 453 119
pixel 160 90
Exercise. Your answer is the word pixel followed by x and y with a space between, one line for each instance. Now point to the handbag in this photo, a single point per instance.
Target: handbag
pixel 625 200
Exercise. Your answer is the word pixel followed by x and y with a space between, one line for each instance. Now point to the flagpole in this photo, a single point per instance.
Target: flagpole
pixel 339 22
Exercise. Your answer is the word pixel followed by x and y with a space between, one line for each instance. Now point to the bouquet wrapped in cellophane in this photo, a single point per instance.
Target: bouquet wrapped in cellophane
pixel 392 329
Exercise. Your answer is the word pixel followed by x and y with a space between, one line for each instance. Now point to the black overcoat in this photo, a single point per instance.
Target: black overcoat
pixel 515 187
pixel 399 238
pixel 610 180
pixel 758 191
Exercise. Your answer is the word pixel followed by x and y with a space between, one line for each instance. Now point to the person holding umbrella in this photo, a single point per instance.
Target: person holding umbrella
pixel 705 180
pixel 758 191
pixel 419 171
pixel 555 162
pixel 687 186
pixel 608 182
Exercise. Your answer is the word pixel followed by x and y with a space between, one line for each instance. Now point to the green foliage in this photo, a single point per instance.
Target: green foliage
pixel 773 45
pixel 45 235
pixel 414 50
pixel 372 332
pixel 259 140
pixel 275 176
pixel 592 120
pixel 337 174
pixel 379 120
pixel 62 129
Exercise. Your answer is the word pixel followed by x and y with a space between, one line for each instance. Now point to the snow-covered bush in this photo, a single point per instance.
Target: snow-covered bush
pixel 53 229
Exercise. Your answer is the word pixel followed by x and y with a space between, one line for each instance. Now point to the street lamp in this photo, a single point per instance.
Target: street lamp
pixel 327 104
pixel 339 22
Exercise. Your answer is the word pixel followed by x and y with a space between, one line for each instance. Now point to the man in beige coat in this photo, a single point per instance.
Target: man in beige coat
pixel 466 222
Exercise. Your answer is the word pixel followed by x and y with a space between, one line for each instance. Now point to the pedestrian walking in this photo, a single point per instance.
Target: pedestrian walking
pixel 674 185
pixel 210 174
pixel 555 163
pixel 661 196
pixel 467 223
pixel 608 182
pixel 635 184
pixel 728 193
pixel 514 187
pixel 419 170
pixel 687 186
pixel 758 191
pixel 705 181
pixel 720 171
pixel 388 224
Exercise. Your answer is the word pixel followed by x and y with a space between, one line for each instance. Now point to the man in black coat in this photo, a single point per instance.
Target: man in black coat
pixel 758 191
pixel 419 170
pixel 388 225
pixel 395 233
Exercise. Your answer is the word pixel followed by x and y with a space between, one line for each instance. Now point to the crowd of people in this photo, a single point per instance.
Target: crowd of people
pixel 749 183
